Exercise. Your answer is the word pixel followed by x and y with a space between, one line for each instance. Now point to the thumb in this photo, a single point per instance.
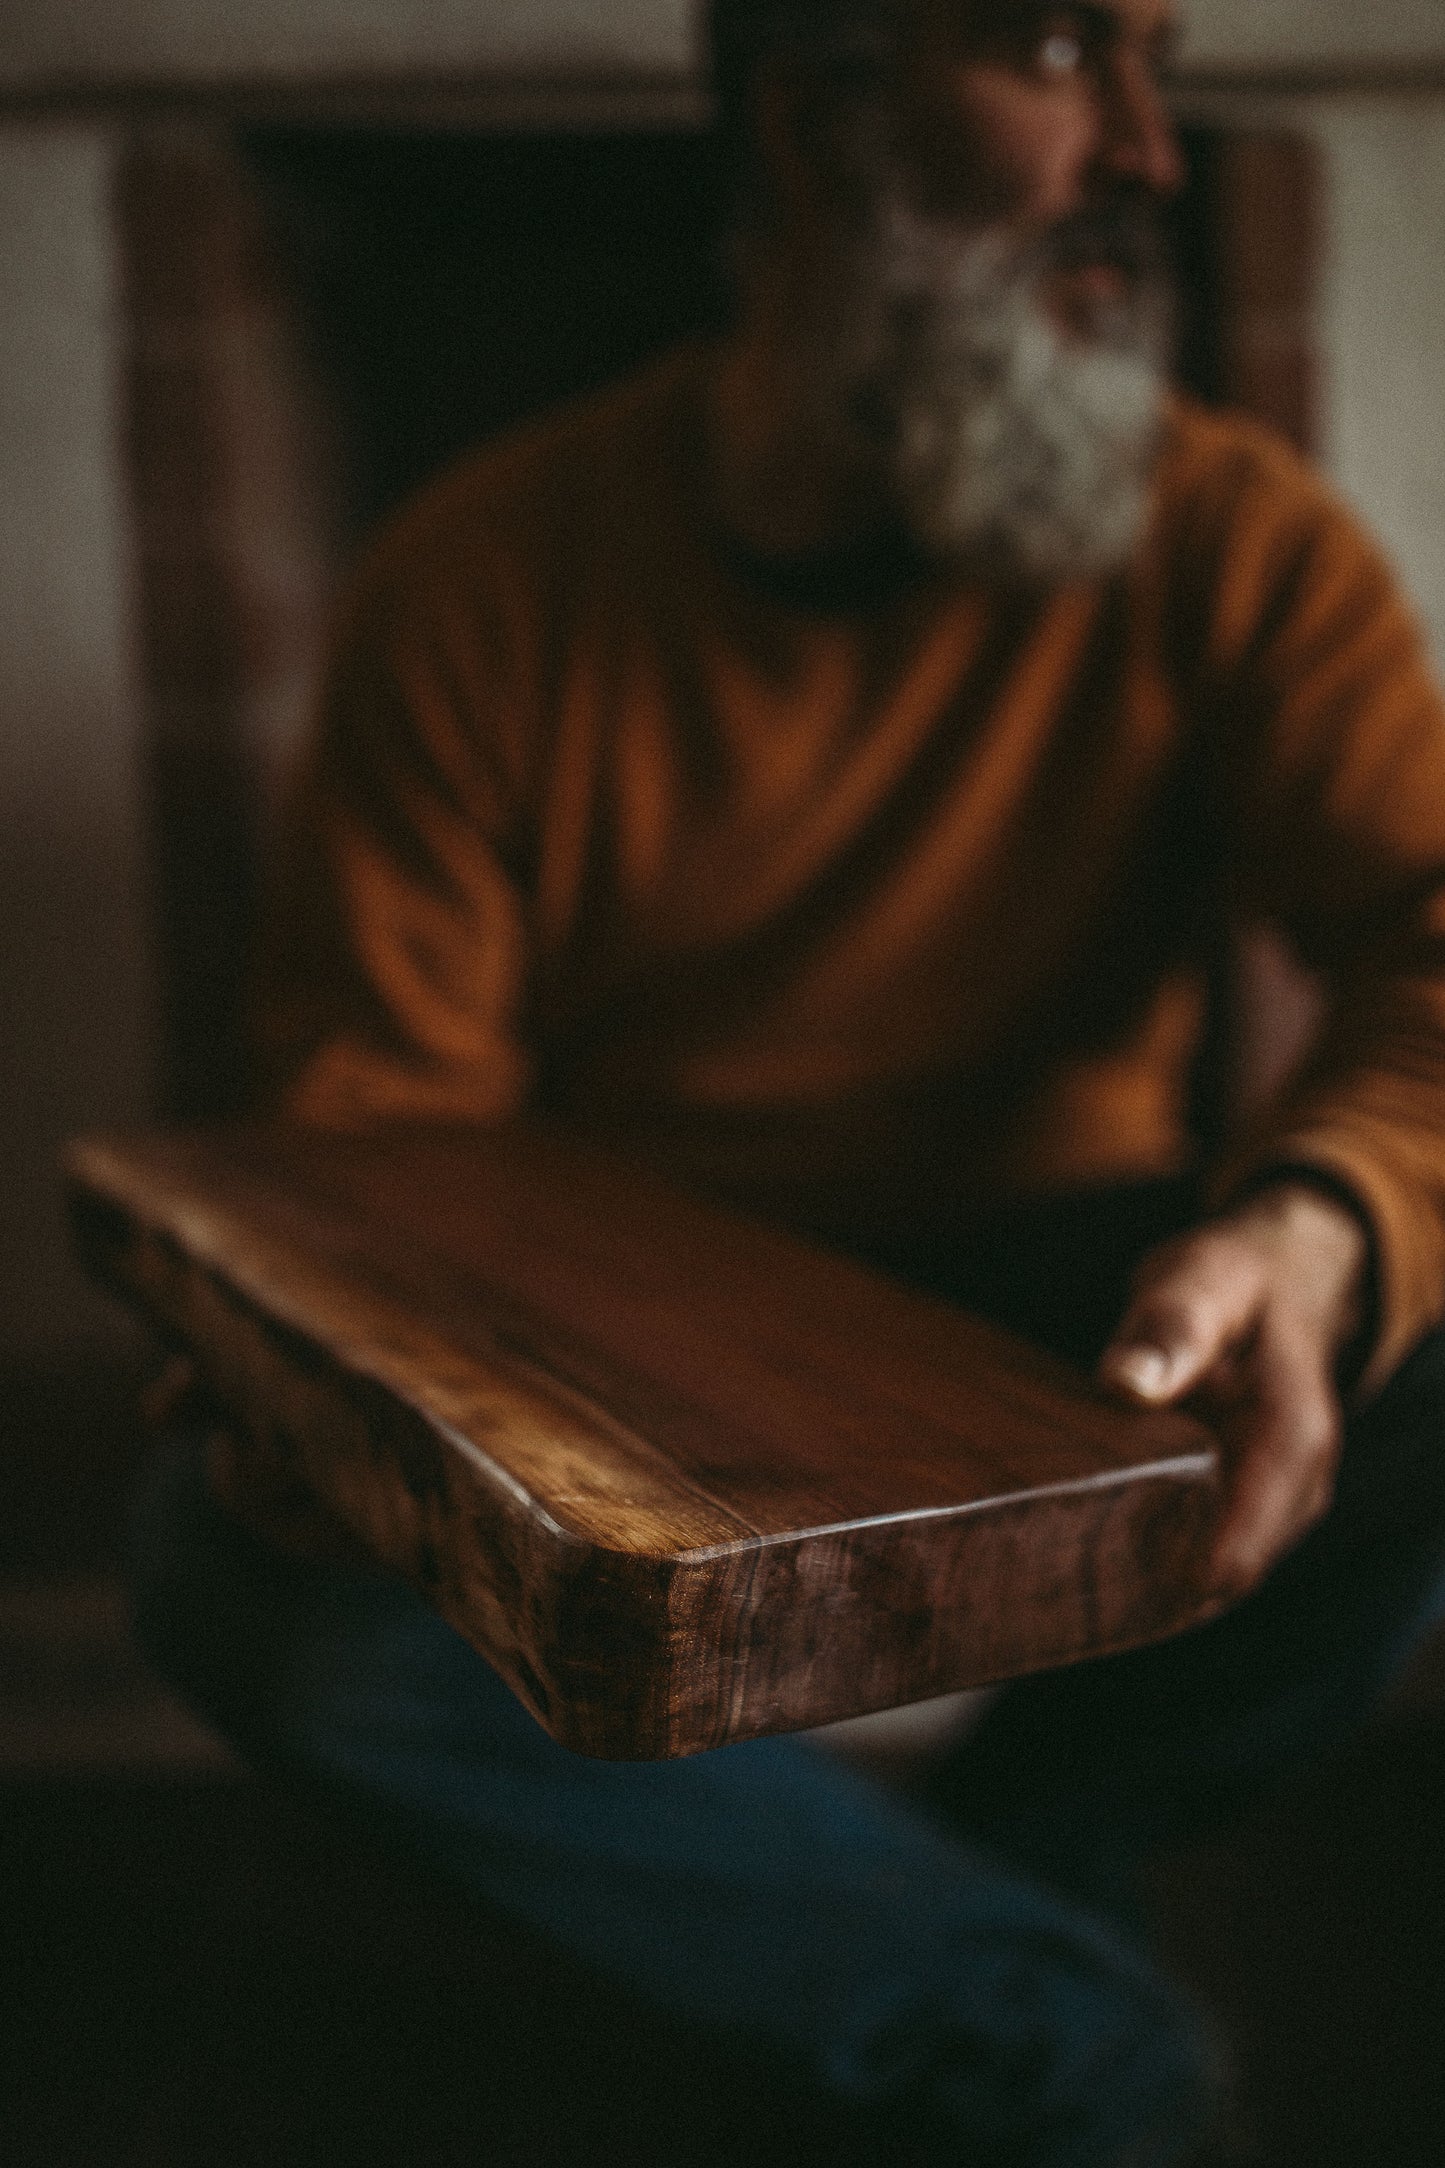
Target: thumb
pixel 1172 1336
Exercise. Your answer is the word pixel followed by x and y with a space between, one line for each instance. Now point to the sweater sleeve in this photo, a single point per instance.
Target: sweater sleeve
pixel 393 959
pixel 1334 738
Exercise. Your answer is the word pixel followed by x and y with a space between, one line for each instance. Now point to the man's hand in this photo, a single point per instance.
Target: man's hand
pixel 1246 1318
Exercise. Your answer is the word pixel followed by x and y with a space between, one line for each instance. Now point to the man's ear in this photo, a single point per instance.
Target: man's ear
pixel 790 182
pixel 807 147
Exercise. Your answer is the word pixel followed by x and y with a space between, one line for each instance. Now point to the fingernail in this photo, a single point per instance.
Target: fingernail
pixel 1145 1370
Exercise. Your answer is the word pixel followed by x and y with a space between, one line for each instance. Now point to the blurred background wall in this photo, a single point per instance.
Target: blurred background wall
pixel 82 81
pixel 74 991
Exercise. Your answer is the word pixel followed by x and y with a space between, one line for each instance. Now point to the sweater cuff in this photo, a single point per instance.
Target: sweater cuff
pixel 1402 1297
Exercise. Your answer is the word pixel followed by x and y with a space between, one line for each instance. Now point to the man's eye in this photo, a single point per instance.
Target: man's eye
pixel 1051 42
pixel 1059 54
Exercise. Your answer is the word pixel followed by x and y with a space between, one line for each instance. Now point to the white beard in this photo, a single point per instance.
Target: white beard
pixel 997 437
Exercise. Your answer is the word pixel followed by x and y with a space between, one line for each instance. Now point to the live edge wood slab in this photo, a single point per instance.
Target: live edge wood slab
pixel 680 1479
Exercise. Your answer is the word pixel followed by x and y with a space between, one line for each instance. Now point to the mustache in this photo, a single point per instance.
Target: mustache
pixel 1126 234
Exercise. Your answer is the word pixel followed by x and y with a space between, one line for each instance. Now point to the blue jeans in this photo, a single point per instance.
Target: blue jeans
pixel 953 1965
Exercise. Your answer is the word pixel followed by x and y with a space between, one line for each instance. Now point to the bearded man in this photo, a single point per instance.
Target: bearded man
pixel 817 767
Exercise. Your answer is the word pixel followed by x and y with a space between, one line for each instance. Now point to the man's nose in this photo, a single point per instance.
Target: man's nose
pixel 1137 137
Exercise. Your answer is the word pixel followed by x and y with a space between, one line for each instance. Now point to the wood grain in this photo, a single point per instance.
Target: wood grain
pixel 679 1478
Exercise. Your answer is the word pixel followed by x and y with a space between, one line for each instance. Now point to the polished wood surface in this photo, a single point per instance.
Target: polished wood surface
pixel 679 1478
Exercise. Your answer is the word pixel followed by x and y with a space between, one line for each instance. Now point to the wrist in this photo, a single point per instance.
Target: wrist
pixel 1321 1241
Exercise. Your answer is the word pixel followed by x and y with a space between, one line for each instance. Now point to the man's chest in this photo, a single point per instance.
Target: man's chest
pixel 914 824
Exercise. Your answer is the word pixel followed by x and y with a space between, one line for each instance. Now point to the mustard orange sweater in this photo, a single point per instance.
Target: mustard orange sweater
pixel 853 914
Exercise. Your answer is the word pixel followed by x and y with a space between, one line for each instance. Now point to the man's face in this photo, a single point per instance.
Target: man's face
pixel 989 334
pixel 1033 117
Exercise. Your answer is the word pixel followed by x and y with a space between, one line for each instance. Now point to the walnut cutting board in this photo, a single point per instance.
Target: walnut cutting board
pixel 679 1478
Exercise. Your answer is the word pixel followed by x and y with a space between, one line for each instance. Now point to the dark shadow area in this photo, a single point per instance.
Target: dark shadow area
pixel 200 1974
pixel 454 286
pixel 71 1438
pixel 1316 1933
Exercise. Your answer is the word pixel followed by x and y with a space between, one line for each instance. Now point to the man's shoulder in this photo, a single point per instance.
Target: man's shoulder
pixel 1245 518
pixel 528 499
pixel 1221 461
pixel 1257 553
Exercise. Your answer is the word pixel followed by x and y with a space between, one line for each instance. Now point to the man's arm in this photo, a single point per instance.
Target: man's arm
pixel 1329 1239
pixel 391 976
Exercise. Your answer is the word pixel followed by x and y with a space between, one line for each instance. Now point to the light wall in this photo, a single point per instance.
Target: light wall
pixel 197 39
pixel 75 997
pixel 1382 328
pixel 1241 33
